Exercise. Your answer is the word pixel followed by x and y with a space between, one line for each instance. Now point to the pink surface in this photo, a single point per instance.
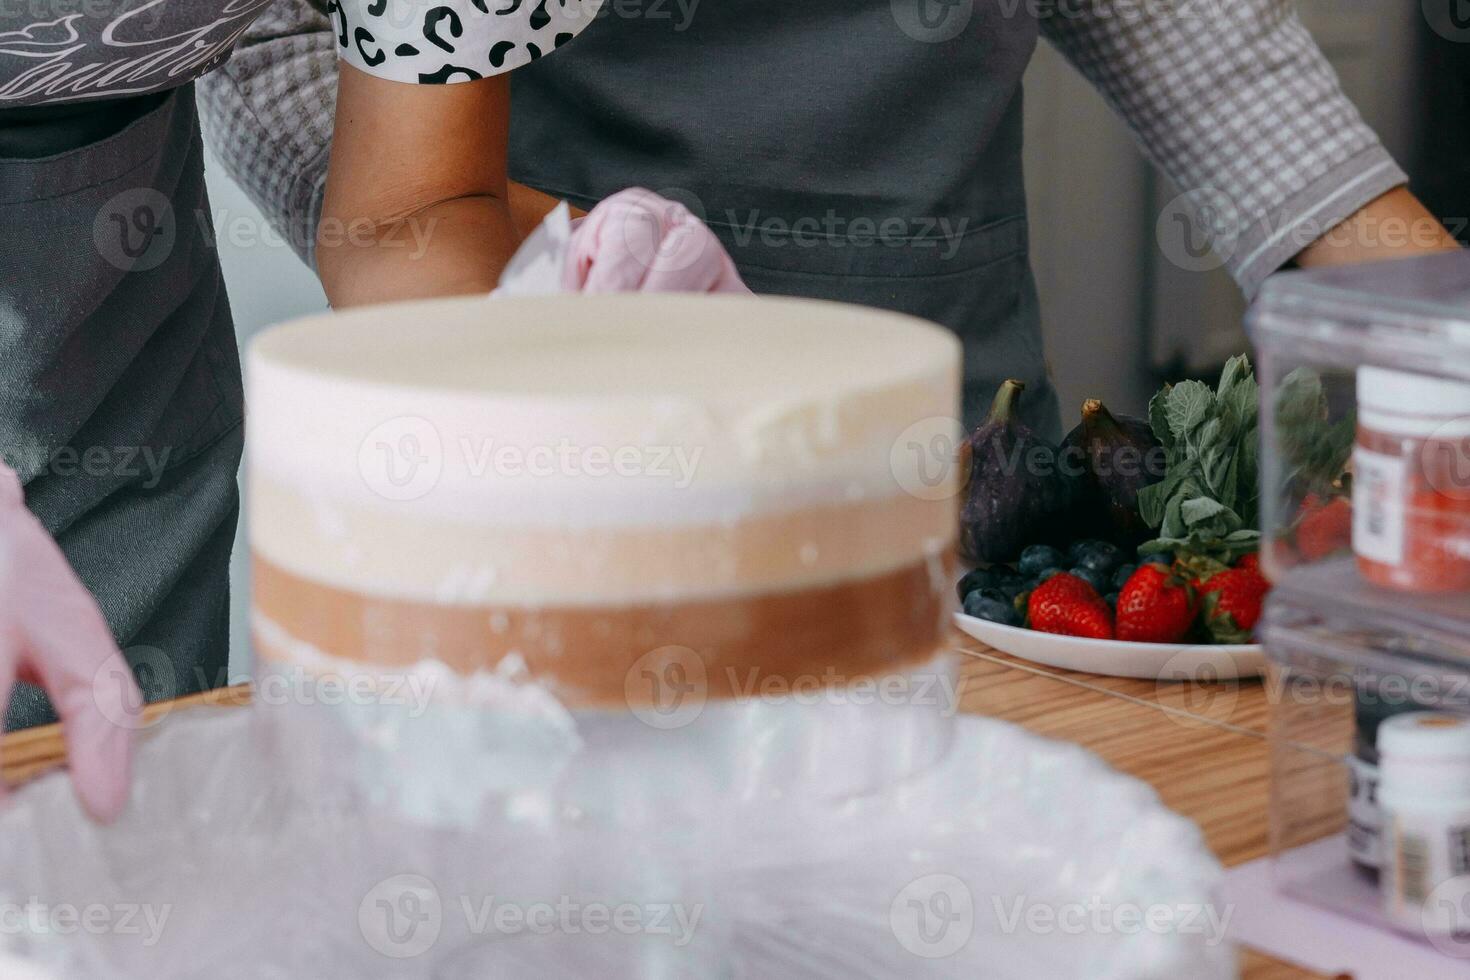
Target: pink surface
pixel 1342 941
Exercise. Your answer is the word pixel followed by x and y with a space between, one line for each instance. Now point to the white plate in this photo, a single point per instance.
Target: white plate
pixel 1150 661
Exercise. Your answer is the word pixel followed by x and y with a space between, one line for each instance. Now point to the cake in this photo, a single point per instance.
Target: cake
pixel 593 488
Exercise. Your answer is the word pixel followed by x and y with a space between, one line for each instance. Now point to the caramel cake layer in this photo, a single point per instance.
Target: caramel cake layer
pixel 587 656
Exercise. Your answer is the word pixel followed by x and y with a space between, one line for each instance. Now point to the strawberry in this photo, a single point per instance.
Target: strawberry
pixel 1323 527
pixel 1155 606
pixel 1232 602
pixel 1250 562
pixel 1067 605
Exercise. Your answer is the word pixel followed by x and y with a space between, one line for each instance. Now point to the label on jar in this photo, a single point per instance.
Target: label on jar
pixel 1380 506
pixel 1364 820
pixel 1425 852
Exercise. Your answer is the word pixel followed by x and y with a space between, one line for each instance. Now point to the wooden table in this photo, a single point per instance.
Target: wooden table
pixel 1203 749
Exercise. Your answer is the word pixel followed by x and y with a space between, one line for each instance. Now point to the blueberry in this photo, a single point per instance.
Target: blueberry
pixel 1098 580
pixel 1048 573
pixel 1160 558
pixel 1121 577
pixel 1103 558
pixel 1038 558
pixel 1080 548
pixel 1012 584
pixel 1112 599
pixel 992 610
pixel 980 578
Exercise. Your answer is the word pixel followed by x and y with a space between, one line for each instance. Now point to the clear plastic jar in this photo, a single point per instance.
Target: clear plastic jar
pixel 1411 482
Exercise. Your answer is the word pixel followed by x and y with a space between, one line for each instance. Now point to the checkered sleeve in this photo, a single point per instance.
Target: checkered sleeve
pixel 268 116
pixel 1236 103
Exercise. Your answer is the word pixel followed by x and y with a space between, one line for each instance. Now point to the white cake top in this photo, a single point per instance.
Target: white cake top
pixel 735 354
pixel 738 400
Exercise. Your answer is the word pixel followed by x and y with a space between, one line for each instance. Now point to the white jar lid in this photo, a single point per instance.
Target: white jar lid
pixel 1426 735
pixel 1399 402
pixel 1424 759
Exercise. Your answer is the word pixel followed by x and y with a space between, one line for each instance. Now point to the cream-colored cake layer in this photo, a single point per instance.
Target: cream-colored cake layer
pixel 411 555
pixel 586 413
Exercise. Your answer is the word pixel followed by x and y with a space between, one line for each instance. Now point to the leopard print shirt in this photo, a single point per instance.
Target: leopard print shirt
pixel 435 42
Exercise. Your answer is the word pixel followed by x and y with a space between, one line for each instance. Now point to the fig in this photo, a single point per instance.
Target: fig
pixel 1113 458
pixel 1015 494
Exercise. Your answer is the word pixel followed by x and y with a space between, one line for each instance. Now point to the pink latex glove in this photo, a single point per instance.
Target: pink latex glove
pixel 53 634
pixel 636 241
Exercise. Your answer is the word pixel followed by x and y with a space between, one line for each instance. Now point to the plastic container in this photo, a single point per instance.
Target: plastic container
pixel 1365 422
pixel 1346 783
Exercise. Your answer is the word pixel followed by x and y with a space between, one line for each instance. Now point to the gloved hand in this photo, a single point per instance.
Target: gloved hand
pixel 636 241
pixel 52 633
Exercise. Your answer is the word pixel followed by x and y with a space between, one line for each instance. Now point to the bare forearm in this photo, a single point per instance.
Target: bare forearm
pixel 417 202
pixel 528 207
pixel 1395 225
pixel 457 247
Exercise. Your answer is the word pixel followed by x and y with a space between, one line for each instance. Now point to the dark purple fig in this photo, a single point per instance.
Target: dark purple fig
pixel 1015 495
pixel 1113 458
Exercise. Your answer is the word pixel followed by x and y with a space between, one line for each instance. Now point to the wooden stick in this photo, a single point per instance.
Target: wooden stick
pixel 29 753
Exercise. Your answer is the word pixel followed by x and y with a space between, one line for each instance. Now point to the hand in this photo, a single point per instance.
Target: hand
pixel 636 241
pixel 52 633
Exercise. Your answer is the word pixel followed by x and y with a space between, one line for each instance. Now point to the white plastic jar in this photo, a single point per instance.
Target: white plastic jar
pixel 1424 796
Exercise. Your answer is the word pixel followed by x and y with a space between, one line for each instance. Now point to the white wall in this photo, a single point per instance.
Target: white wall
pixel 1088 193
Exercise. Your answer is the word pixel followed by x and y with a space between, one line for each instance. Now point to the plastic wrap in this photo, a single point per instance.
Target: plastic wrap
pixel 806 742
pixel 221 868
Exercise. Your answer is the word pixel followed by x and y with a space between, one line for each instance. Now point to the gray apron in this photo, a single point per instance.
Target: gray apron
pixel 859 150
pixel 120 395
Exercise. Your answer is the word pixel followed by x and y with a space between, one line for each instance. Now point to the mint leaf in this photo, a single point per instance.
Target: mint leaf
pixel 1188 407
pixel 1229 485
pixel 1244 405
pixel 1210 436
pixel 1247 481
pixel 1151 501
pixel 1158 418
pixel 1200 509
pixel 1207 505
pixel 1315 447
pixel 1236 370
pixel 1173 525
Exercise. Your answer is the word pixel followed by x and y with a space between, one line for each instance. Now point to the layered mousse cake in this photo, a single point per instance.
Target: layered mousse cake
pixel 596 489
